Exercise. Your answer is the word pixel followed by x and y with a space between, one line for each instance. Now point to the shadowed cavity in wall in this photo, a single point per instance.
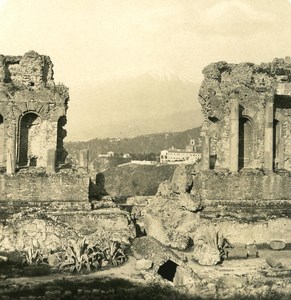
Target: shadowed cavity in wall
pixel 168 270
pixel 97 189
pixel 62 153
pixel 245 142
pixel 30 139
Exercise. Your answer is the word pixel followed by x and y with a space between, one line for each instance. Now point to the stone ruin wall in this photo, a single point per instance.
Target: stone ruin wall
pixel 32 116
pixel 43 203
pixel 252 86
pixel 27 90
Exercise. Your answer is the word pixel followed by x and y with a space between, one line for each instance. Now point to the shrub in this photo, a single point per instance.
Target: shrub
pixel 80 255
pixel 114 254
pixel 33 256
pixel 76 257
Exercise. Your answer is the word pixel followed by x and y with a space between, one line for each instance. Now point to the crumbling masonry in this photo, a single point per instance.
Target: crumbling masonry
pixel 32 113
pixel 247 111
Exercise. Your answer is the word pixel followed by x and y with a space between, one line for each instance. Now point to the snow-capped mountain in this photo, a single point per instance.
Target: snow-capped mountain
pixel 135 103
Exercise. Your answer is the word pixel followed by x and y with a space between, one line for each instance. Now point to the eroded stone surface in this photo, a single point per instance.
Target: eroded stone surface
pixel 252 87
pixel 32 112
pixel 143 264
pixel 277 245
pixel 51 230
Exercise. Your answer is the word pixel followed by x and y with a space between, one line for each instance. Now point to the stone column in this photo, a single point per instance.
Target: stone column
pixel 51 161
pixel 268 140
pixel 205 159
pixel 11 150
pixel 234 136
pixel 84 159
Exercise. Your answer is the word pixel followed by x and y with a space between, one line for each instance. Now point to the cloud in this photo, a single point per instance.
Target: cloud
pixel 233 17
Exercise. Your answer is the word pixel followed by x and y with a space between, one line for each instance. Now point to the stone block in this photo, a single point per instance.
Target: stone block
pixel 252 250
pixel 143 264
pixel 182 277
pixel 205 254
pixel 237 253
pixel 273 262
pixel 182 180
pixel 189 202
pixel 277 245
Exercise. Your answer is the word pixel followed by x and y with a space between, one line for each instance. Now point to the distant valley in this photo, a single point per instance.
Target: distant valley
pixel 150 143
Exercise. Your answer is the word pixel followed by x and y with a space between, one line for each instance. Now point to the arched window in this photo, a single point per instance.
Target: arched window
pixel 29 139
pixel 246 142
pixel 61 134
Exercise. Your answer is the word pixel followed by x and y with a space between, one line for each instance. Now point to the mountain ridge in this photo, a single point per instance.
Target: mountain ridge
pixel 149 143
pixel 129 107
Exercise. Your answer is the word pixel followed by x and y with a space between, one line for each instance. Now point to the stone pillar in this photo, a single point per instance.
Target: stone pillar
pixel 234 136
pixel 268 139
pixel 51 161
pixel 205 160
pixel 11 150
pixel 84 159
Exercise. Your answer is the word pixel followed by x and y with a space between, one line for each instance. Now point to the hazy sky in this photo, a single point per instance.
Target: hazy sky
pixel 93 40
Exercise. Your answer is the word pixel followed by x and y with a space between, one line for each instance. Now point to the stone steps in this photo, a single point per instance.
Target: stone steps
pixel 12 207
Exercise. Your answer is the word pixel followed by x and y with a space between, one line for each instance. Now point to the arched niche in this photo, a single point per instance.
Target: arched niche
pixel 30 139
pixel 213 133
pixel 246 142
pixel 61 134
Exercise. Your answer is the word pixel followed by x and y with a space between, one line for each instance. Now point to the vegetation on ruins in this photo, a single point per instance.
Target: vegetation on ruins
pixel 114 254
pixel 83 256
pixel 77 256
pixel 33 256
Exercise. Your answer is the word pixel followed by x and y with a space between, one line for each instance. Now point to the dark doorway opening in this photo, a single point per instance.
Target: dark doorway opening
pixel 29 139
pixel 168 270
pixel 61 154
pixel 245 142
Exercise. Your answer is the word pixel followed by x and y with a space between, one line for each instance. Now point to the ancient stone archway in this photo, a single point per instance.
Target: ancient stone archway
pixel 30 139
pixel 246 143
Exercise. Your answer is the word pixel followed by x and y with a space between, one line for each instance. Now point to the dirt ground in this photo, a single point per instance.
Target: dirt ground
pixel 250 278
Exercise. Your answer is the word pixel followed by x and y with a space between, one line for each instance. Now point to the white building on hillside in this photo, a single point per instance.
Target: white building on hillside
pixel 175 155
pixel 108 154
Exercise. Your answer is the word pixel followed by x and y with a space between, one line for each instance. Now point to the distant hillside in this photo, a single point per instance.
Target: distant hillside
pixel 131 180
pixel 141 144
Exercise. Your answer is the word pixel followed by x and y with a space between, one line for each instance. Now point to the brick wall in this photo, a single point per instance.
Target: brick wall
pixel 243 186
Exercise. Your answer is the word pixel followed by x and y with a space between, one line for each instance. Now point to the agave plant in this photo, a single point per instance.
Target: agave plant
pixel 33 256
pixel 80 255
pixel 76 256
pixel 95 255
pixel 114 254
